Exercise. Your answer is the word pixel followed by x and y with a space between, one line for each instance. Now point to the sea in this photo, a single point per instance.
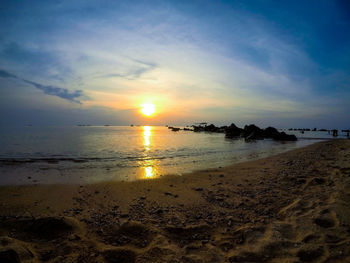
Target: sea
pixel 91 154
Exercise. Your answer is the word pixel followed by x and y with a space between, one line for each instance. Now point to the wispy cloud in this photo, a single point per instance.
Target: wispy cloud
pixel 48 89
pixel 135 72
pixel 5 74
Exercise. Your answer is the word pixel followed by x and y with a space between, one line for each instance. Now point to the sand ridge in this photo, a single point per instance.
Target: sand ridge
pixel 292 207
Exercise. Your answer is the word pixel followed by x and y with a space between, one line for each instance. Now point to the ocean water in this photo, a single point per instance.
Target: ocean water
pixel 32 155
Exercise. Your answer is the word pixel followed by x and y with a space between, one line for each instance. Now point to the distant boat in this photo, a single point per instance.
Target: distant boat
pixel 132 125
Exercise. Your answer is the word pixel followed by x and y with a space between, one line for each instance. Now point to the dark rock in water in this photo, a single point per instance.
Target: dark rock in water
pixel 252 132
pixel 286 137
pixel 271 132
pixel 253 136
pixel 208 128
pixel 249 133
pixel 9 256
pixel 197 128
pixel 233 131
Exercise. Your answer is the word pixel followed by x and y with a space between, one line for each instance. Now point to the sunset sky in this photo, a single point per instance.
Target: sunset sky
pixel 280 63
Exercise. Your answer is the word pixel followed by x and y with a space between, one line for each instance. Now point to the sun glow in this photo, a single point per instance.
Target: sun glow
pixel 148 109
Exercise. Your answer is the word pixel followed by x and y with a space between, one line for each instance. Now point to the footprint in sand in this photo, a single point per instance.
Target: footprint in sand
pixel 186 235
pixel 326 219
pixel 130 233
pixel 13 251
pixel 119 256
pixel 310 254
pixel 47 228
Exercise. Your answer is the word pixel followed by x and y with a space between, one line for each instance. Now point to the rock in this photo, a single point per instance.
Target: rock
pixel 232 131
pixel 252 132
pixel 271 132
pixel 211 128
pixel 286 137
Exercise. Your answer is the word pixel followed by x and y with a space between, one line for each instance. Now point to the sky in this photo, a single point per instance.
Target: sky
pixel 272 63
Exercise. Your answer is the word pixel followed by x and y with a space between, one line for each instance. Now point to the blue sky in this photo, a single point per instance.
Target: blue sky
pixel 281 63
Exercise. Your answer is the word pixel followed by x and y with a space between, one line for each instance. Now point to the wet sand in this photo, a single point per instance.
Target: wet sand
pixel 292 207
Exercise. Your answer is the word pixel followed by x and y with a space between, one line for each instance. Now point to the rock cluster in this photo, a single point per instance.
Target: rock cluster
pixel 249 132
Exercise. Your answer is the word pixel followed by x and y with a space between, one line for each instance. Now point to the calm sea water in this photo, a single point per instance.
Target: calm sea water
pixel 91 154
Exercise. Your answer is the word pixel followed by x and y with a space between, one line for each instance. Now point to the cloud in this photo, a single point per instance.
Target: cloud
pixel 5 74
pixel 133 73
pixel 48 89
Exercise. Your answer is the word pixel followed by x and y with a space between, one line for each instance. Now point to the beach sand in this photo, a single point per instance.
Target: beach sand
pixel 292 207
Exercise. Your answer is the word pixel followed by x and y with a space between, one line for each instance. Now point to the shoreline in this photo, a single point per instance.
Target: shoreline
pixel 288 207
pixel 48 171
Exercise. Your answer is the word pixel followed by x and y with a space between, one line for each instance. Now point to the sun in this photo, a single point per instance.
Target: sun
pixel 148 109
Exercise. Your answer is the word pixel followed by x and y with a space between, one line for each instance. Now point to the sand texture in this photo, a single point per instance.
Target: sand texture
pixel 292 207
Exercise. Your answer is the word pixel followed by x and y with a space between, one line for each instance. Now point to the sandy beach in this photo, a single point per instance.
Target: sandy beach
pixel 292 207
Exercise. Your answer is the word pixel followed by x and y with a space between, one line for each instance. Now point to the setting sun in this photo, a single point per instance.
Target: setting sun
pixel 148 109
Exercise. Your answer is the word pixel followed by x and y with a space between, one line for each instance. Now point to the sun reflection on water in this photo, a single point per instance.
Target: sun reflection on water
pixel 149 172
pixel 148 165
pixel 147 132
